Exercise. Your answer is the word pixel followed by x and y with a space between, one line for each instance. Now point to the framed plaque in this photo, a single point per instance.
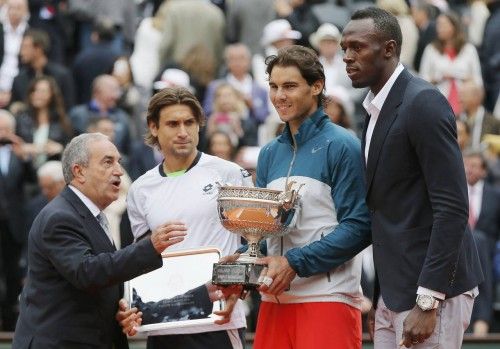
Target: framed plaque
pixel 174 298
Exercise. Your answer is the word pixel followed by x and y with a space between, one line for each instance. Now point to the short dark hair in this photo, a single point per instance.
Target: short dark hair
pixel 165 98
pixel 305 59
pixel 40 39
pixel 385 23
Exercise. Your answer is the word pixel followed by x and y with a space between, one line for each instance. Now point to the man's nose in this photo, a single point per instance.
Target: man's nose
pixel 182 130
pixel 118 169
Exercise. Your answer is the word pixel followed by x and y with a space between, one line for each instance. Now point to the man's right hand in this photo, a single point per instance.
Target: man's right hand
pixel 128 319
pixel 168 234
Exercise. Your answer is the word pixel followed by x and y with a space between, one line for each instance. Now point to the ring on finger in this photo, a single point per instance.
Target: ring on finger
pixel 267 281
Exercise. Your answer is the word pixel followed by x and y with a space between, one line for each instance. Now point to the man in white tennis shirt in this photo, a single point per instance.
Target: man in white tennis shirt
pixel 183 190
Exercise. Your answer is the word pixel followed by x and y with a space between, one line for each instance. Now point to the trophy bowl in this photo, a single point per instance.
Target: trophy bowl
pixel 255 214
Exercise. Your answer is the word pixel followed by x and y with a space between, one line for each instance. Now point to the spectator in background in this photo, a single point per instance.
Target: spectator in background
pixel 480 121
pixel 95 59
pixel 300 15
pixel 16 171
pixel 187 24
pixel 339 107
pixel 423 15
pixel 14 26
pixel 51 183
pixel 220 145
pixel 105 94
pixel 44 126
pixel 276 34
pixel 145 59
pixel 484 222
pixel 490 55
pixel 245 20
pixel 230 114
pixel 132 101
pixel 450 59
pixel 122 13
pixel 47 16
pixel 400 9
pixel 34 48
pixel 238 60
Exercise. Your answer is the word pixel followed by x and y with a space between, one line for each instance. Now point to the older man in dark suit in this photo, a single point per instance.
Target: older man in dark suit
pixel 425 257
pixel 74 270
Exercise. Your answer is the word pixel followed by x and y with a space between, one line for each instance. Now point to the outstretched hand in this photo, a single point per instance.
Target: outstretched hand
pixel 168 234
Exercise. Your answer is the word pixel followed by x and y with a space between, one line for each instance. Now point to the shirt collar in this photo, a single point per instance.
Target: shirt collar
pixel 372 102
pixel 86 201
pixel 476 188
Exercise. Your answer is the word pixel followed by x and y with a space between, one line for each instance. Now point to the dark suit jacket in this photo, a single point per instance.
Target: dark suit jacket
pixel 12 187
pixel 74 279
pixel 417 197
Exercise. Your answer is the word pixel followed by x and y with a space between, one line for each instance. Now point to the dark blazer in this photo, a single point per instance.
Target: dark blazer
pixel 12 198
pixel 417 197
pixel 74 279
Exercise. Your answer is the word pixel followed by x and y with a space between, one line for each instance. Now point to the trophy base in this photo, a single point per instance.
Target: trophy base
pixel 245 274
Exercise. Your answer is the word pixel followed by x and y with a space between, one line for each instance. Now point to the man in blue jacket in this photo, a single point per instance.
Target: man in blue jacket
pixel 311 298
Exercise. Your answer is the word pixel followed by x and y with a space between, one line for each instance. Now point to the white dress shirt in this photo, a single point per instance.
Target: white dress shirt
pixel 5 152
pixel 373 105
pixel 92 207
pixel 476 197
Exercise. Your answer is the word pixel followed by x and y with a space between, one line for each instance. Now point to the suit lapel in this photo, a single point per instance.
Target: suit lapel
pixel 385 120
pixel 363 138
pixel 90 222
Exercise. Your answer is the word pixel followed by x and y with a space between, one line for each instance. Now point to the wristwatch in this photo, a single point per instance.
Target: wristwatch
pixel 427 302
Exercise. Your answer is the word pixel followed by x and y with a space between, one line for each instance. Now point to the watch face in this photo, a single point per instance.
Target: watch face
pixel 425 302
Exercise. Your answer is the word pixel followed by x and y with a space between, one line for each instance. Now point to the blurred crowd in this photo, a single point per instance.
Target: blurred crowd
pixel 74 66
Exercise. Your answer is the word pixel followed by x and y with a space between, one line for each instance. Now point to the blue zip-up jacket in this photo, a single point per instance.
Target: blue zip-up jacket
pixel 332 222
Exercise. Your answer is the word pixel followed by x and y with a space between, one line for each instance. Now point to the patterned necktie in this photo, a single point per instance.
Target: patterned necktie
pixel 103 221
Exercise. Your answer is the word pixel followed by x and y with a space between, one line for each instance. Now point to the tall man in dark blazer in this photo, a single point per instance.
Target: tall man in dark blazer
pixel 74 271
pixel 425 257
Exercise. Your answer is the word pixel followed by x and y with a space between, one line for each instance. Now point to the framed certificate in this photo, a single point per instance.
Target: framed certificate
pixel 175 296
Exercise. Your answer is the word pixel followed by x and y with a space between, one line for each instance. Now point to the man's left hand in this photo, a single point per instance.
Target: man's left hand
pixel 227 311
pixel 418 326
pixel 279 273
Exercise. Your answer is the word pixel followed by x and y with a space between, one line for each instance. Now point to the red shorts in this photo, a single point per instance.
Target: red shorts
pixel 321 325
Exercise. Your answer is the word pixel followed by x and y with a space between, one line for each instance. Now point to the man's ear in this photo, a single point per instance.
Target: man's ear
pixel 153 128
pixel 78 173
pixel 390 49
pixel 317 87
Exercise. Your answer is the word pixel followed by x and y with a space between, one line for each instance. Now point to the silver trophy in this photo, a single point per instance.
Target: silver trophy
pixel 255 214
